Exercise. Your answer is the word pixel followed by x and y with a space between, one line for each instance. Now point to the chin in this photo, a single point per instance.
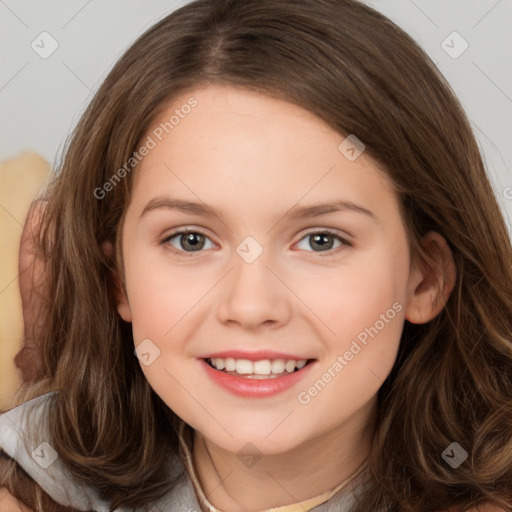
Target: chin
pixel 262 441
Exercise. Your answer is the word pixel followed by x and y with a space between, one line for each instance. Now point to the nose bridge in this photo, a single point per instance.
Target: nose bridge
pixel 253 295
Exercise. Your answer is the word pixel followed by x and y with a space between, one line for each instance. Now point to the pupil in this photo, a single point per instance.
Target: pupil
pixel 190 239
pixel 322 241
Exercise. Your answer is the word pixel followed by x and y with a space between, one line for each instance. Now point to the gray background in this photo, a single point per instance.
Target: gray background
pixel 41 99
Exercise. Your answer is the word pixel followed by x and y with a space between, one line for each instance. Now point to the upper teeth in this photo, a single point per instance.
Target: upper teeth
pixel 263 367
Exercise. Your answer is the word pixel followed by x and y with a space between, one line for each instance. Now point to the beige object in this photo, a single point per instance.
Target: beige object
pixel 21 180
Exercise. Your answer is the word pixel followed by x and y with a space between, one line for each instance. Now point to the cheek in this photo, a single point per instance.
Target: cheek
pixel 161 295
pixel 361 353
pixel 355 296
pixel 370 327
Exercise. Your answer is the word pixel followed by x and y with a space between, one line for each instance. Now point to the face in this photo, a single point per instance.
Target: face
pixel 295 259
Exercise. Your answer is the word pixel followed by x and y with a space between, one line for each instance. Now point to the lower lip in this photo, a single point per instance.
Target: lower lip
pixel 255 388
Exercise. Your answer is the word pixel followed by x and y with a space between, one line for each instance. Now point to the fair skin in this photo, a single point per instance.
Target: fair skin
pixel 253 158
pixel 257 159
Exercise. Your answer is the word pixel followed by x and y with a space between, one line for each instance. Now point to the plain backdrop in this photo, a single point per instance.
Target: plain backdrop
pixel 42 96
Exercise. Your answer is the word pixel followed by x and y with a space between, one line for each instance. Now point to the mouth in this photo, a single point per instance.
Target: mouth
pixel 264 369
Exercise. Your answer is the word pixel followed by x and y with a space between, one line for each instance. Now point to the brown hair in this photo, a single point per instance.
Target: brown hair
pixel 361 74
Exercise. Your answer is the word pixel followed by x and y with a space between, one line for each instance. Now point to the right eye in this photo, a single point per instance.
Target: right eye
pixel 187 240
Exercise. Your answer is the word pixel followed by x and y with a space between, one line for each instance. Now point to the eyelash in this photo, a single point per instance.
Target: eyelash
pixel 329 252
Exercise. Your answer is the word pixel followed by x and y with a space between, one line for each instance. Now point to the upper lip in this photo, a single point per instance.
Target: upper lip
pixel 254 356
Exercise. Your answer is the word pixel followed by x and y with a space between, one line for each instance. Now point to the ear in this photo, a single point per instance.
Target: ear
pixel 429 289
pixel 123 307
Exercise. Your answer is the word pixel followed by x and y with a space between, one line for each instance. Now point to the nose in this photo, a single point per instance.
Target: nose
pixel 253 295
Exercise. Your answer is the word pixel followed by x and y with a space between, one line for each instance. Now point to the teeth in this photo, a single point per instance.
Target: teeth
pixel 229 364
pixel 256 369
pixel 261 367
pixel 244 366
pixel 278 366
pixel 301 364
pixel 290 366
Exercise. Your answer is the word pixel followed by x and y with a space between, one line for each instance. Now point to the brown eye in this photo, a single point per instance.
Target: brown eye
pixel 322 241
pixel 187 241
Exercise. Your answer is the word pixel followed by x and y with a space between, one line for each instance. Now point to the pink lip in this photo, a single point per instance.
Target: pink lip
pixel 255 388
pixel 254 356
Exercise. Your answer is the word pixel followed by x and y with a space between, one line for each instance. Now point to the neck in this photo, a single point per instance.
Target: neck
pixel 316 466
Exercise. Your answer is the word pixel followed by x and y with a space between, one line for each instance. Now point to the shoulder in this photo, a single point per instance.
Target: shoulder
pixel 34 464
pixel 8 503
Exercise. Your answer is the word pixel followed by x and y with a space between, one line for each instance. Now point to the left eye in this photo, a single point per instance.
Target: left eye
pixel 323 240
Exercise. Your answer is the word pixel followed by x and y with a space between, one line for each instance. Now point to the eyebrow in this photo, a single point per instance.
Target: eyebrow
pixel 304 212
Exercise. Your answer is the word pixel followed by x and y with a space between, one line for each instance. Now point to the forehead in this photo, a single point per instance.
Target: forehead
pixel 252 149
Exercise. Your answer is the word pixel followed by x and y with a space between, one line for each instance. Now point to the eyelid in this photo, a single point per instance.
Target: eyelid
pixel 331 231
pixel 184 231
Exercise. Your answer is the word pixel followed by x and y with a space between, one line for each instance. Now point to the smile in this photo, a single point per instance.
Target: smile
pixel 256 379
pixel 263 369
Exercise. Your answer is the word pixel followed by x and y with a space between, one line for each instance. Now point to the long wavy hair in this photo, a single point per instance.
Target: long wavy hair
pixel 355 69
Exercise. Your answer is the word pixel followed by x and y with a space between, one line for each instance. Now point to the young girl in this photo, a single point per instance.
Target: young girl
pixel 276 279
